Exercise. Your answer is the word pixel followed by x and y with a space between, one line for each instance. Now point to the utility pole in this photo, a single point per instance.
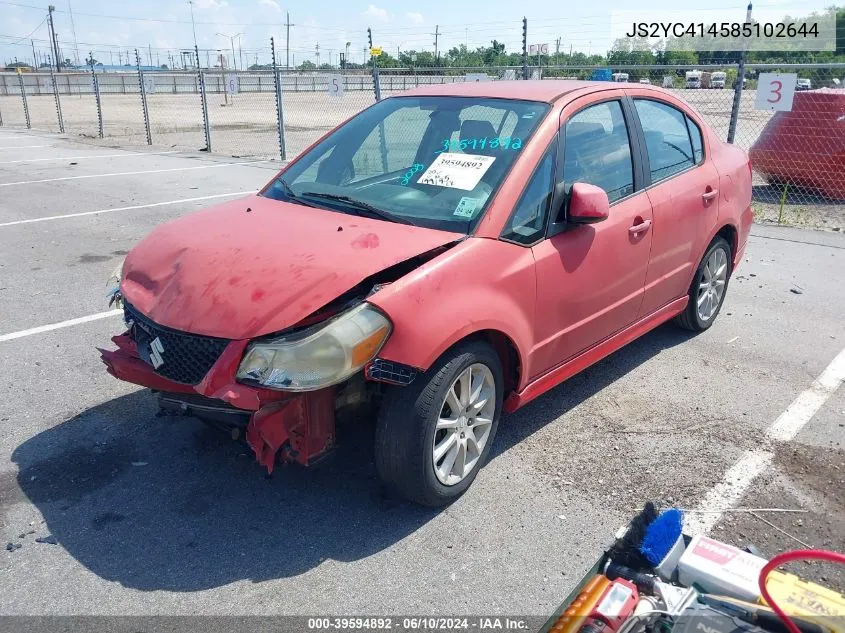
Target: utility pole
pixel 317 49
pixel 73 30
pixel 193 26
pixel 241 53
pixel 436 39
pixel 524 48
pixel 557 47
pixel 53 39
pixel 34 56
pixel 150 53
pixel 287 40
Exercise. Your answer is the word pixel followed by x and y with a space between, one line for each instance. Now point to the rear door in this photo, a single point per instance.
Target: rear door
pixel 590 278
pixel 683 188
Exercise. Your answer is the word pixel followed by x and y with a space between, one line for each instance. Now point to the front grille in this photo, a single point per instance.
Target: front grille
pixel 186 357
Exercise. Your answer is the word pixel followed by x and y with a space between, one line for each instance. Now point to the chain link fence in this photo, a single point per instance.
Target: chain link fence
pixel 798 156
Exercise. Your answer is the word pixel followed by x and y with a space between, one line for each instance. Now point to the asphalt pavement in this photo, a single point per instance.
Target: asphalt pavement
pixel 152 515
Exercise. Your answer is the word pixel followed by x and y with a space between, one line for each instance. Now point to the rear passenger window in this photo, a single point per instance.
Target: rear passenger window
pixel 667 138
pixel 697 141
pixel 597 150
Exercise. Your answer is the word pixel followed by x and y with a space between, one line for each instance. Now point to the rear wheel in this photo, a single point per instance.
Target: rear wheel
pixel 434 435
pixel 709 287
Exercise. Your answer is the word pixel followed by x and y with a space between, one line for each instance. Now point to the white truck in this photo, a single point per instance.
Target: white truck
pixel 718 79
pixel 620 77
pixel 693 79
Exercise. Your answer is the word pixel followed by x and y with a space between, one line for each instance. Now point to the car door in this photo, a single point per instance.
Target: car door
pixel 590 278
pixel 684 195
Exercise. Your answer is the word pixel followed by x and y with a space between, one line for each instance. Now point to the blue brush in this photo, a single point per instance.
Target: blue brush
pixel 663 542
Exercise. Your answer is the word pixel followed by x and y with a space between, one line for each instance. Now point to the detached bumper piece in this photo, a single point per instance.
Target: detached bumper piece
pixel 297 427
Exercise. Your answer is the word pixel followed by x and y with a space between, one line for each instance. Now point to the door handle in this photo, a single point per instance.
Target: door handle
pixel 709 195
pixel 640 228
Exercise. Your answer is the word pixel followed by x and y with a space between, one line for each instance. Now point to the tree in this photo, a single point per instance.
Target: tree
pixel 307 65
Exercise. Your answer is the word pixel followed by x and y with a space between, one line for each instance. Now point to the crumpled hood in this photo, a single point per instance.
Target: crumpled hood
pixel 255 266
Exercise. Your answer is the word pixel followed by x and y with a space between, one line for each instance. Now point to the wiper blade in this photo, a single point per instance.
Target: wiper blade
pixel 359 205
pixel 291 195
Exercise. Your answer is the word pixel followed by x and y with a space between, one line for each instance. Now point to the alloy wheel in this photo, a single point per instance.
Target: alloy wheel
pixel 464 424
pixel 711 284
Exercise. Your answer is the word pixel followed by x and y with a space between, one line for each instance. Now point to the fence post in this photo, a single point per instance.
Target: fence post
pixel 55 85
pixel 23 96
pixel 204 100
pixel 95 83
pixel 142 89
pixel 376 81
pixel 740 79
pixel 123 83
pixel 280 117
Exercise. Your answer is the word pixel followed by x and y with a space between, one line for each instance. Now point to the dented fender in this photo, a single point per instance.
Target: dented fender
pixel 445 300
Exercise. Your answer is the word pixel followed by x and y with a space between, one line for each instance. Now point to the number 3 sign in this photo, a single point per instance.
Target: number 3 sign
pixel 775 91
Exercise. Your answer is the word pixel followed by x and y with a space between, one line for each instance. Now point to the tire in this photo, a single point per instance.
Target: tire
pixel 691 318
pixel 406 429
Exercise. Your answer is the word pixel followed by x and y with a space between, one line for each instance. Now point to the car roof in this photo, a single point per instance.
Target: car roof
pixel 532 90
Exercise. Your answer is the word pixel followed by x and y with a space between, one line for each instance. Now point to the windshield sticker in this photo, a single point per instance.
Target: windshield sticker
pixel 416 168
pixel 467 207
pixel 456 171
pixel 475 144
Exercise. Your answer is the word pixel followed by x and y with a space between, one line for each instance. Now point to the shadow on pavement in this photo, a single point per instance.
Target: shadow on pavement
pixel 169 504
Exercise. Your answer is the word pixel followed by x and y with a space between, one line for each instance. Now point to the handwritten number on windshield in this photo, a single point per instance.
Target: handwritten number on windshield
pixel 497 142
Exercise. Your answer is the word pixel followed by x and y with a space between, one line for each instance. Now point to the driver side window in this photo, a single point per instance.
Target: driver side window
pixel 667 138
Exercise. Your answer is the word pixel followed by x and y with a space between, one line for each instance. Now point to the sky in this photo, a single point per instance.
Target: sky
pixel 161 28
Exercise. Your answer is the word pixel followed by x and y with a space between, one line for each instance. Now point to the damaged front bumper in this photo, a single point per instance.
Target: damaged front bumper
pixel 300 427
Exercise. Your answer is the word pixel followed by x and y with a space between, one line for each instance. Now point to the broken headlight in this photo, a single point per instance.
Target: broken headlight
pixel 320 356
pixel 113 285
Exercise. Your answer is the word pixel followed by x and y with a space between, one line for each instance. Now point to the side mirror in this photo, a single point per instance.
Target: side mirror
pixel 588 204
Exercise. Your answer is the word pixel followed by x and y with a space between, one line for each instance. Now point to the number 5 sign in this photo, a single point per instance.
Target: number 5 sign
pixel 775 91
pixel 335 88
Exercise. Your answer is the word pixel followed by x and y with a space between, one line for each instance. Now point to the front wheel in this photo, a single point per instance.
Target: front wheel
pixel 709 287
pixel 434 435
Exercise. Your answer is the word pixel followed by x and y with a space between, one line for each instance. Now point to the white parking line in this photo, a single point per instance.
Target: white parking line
pixel 24 146
pixel 805 406
pixel 38 160
pixel 56 326
pixel 135 206
pixel 133 173
pixel 753 463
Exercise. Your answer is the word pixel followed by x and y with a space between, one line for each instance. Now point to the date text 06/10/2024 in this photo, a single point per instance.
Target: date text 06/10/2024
pixel 419 623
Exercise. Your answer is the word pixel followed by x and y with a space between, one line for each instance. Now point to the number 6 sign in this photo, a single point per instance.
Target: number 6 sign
pixel 775 91
pixel 232 84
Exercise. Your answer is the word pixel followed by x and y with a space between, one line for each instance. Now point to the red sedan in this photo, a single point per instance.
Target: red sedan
pixel 443 257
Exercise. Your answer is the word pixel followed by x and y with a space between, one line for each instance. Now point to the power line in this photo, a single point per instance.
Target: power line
pixel 28 35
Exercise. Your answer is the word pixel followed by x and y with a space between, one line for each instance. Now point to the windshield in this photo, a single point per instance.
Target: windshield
pixel 428 161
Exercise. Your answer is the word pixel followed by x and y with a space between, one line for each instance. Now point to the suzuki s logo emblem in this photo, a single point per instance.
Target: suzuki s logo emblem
pixel 156 351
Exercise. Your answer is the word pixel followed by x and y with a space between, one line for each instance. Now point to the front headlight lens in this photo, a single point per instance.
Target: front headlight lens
pixel 320 357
